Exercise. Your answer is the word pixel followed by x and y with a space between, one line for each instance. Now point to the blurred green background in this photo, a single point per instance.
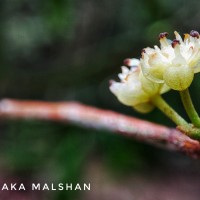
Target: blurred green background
pixel 63 50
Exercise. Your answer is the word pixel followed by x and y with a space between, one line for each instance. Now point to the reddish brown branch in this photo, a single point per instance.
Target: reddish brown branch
pixel 76 113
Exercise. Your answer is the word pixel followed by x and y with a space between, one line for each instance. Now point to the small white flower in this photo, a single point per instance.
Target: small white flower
pixel 134 89
pixel 175 62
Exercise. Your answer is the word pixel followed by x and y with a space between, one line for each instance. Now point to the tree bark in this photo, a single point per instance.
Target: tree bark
pixel 91 117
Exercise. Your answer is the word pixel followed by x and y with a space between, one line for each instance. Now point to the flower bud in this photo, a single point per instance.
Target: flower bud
pixel 179 78
pixel 129 90
pixel 144 108
pixel 135 90
pixel 150 87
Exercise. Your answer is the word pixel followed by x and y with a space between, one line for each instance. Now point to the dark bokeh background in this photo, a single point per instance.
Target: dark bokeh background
pixel 56 50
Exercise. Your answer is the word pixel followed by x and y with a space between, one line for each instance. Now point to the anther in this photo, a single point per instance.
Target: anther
pixel 127 61
pixel 110 82
pixel 175 42
pixel 194 34
pixel 143 51
pixel 163 35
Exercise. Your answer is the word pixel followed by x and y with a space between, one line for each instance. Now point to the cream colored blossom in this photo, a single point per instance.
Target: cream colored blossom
pixel 175 62
pixel 134 89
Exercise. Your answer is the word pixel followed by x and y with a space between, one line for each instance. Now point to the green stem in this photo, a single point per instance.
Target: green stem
pixel 182 125
pixel 160 103
pixel 189 107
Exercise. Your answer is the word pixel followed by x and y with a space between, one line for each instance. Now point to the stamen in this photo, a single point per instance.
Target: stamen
pixel 131 62
pixel 175 42
pixel 110 82
pixel 178 37
pixel 186 36
pixel 194 34
pixel 127 61
pixel 143 51
pixel 163 35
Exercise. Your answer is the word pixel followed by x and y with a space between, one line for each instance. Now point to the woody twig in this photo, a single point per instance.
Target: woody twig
pixel 91 117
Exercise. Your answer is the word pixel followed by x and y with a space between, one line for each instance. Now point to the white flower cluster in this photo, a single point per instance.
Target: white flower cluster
pixel 172 66
pixel 134 89
pixel 175 62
